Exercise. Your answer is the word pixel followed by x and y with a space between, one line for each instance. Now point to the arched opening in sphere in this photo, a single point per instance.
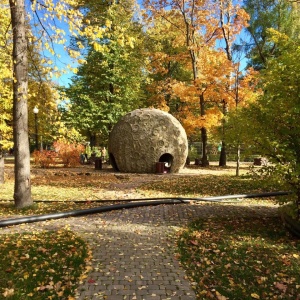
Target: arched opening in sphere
pixel 167 159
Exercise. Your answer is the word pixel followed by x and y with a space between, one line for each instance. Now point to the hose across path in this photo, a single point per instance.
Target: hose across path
pixel 133 203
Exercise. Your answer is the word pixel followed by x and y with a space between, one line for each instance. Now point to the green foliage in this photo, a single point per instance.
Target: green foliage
pixel 270 125
pixel 90 150
pixel 264 15
pixel 109 83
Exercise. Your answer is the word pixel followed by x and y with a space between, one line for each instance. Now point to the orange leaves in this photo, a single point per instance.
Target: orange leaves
pixel 68 153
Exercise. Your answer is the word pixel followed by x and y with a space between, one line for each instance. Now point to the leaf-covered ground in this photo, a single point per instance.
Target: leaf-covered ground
pixel 41 265
pixel 241 259
pixel 206 185
pixel 226 259
pixel 58 188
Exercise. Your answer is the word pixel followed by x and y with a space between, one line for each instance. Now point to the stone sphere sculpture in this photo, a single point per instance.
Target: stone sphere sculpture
pixel 144 137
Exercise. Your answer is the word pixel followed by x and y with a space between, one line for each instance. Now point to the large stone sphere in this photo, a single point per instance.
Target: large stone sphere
pixel 144 137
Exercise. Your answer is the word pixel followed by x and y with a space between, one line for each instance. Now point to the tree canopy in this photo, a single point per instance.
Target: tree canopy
pixel 109 83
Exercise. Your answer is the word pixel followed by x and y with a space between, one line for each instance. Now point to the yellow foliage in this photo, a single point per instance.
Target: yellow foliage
pixel 5 76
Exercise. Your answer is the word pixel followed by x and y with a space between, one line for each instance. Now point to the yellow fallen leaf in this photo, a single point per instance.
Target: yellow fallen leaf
pixel 8 292
pixel 220 297
pixel 296 255
pixel 255 296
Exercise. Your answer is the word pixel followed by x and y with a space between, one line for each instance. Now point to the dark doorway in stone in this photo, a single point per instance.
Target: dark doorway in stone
pixel 167 158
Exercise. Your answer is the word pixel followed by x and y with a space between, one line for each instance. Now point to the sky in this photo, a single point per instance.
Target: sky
pixel 65 59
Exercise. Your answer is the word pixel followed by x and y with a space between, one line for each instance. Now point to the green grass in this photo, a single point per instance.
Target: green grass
pixel 241 259
pixel 41 265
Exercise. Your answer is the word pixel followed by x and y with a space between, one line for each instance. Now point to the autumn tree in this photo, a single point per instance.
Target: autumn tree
pixel 37 77
pixel 45 17
pixel 5 86
pixel 22 191
pixel 232 19
pixel 189 18
pixel 244 92
pixel 201 25
pixel 168 64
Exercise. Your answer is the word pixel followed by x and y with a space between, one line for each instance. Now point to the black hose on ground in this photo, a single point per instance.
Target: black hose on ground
pixel 81 212
pixel 205 199
pixel 135 203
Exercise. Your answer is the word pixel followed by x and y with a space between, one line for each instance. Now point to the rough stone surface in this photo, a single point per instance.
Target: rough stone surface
pixel 144 137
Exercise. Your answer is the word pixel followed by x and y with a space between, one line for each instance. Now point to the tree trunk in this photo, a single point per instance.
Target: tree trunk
pixel 223 156
pixel 92 137
pixel 22 190
pixel 1 168
pixel 238 158
pixel 204 159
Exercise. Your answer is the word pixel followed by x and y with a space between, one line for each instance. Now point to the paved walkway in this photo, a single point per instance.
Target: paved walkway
pixel 134 249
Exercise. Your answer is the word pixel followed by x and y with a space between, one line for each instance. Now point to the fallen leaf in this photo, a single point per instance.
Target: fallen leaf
pixel 255 296
pixel 220 297
pixel 280 286
pixel 8 292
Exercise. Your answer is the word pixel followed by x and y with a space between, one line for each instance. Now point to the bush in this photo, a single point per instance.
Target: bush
pixel 44 158
pixel 68 153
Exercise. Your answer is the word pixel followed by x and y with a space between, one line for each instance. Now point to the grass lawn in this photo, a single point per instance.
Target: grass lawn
pixel 225 258
pixel 41 265
pixel 241 259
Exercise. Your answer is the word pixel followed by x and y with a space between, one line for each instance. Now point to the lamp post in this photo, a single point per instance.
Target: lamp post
pixel 35 111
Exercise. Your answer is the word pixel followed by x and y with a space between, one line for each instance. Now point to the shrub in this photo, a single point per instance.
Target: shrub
pixel 44 158
pixel 68 153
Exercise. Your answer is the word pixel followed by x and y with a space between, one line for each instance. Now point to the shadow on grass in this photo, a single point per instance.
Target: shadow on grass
pixel 241 258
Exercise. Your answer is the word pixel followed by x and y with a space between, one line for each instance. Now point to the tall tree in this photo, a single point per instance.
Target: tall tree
pixel 190 19
pixel 270 125
pixel 108 84
pixel 264 15
pixel 201 24
pixel 232 20
pixel 5 86
pixel 22 191
pixel 244 91
pixel 48 33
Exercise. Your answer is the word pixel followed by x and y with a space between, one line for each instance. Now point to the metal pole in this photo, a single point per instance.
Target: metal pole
pixel 36 132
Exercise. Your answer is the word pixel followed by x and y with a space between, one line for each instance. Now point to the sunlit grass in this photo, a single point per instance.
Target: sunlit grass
pixel 241 259
pixel 41 265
